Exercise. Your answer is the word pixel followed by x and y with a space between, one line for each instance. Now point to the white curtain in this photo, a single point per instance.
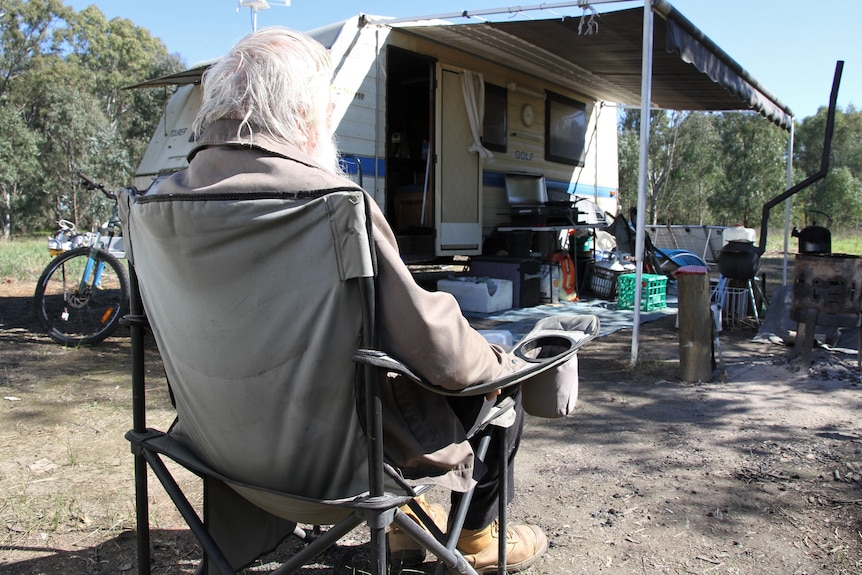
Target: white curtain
pixel 473 88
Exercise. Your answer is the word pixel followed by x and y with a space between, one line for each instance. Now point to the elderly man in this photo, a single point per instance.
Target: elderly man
pixel 264 125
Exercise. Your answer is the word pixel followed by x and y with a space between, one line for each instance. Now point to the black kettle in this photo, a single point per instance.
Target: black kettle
pixel 814 239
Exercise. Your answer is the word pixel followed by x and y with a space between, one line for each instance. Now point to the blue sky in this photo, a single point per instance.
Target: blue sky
pixel 789 46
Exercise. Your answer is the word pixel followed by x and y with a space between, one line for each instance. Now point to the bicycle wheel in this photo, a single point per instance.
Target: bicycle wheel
pixel 75 309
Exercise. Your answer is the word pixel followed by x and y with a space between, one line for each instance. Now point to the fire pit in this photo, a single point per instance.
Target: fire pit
pixel 830 283
pixel 827 291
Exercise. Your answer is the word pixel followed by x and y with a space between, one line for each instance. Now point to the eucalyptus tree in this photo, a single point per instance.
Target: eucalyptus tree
pixel 839 194
pixel 697 171
pixel 76 136
pixel 18 165
pixel 63 75
pixel 753 152
pixel 664 129
pixel 117 54
pixel 28 28
pixel 628 146
pixel 28 31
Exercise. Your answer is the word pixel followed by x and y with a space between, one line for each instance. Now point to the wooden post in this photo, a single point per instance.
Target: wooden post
pixel 695 324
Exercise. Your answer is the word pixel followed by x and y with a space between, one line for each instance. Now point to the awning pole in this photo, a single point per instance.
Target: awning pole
pixel 787 204
pixel 377 120
pixel 643 166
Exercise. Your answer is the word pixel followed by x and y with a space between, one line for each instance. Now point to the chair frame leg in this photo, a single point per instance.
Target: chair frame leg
pixel 377 522
pixel 142 515
pixel 503 438
pixel 139 422
pixel 207 543
pixel 448 557
pixel 456 518
pixel 322 542
pixel 460 513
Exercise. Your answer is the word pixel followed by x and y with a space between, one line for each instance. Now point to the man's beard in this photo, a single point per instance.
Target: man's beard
pixel 326 154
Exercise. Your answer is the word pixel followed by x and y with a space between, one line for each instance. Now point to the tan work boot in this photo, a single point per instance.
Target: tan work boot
pixel 524 544
pixel 403 549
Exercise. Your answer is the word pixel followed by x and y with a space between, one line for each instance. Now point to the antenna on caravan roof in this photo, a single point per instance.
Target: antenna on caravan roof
pixel 255 6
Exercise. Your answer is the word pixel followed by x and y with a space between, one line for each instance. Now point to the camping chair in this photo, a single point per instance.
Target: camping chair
pixel 268 304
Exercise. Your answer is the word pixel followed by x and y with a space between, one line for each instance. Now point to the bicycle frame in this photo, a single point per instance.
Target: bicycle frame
pixel 84 286
pixel 89 291
pixel 93 270
pixel 67 237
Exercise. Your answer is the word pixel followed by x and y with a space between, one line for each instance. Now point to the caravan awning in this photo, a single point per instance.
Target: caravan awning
pixel 690 72
pixel 190 76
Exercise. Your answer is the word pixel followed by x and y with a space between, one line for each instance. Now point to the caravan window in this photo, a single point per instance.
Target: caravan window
pixel 494 125
pixel 565 130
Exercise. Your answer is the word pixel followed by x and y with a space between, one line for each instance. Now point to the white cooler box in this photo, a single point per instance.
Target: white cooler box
pixel 483 295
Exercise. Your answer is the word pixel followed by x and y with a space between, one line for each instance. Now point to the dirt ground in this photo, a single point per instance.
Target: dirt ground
pixel 759 473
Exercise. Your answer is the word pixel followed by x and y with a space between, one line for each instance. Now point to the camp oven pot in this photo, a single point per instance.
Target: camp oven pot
pixel 739 259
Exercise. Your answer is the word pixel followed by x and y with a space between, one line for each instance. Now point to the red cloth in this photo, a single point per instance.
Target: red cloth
pixel 691 271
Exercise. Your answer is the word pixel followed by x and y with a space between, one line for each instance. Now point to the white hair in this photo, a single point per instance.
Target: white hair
pixel 276 81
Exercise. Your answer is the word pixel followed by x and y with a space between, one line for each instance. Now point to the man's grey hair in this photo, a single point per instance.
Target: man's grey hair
pixel 275 81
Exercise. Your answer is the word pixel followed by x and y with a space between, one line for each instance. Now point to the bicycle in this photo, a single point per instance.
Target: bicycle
pixel 84 291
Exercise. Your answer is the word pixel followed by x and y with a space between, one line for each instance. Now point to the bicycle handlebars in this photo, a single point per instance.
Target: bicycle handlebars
pixel 90 184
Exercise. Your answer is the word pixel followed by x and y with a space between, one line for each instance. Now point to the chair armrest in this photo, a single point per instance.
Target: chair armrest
pixel 540 351
pixel 135 320
pixel 385 361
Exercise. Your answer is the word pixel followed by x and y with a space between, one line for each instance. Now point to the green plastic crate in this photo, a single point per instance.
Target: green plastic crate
pixel 653 294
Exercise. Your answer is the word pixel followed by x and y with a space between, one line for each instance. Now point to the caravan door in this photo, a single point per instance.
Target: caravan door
pixel 458 172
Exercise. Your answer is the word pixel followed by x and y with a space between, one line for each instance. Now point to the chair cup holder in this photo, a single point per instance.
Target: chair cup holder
pixel 546 347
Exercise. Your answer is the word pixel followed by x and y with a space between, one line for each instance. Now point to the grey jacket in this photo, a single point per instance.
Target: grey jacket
pixel 426 330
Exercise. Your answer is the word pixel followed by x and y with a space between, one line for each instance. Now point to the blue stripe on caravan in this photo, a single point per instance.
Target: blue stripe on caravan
pixel 498 179
pixel 348 163
pixel 581 189
pixel 489 178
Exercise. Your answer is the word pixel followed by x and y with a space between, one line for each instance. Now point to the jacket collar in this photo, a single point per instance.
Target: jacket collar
pixel 226 132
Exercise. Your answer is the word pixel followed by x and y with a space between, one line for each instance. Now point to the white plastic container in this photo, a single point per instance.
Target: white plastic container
pixel 481 295
pixel 499 336
pixel 737 233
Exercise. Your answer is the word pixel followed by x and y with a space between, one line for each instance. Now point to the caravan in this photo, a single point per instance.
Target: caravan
pixel 432 115
pixel 430 118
